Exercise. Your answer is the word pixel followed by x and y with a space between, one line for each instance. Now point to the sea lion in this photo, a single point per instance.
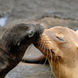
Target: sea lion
pixel 14 43
pixel 60 46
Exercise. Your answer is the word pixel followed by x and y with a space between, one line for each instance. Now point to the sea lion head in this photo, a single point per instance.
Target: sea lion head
pixel 60 46
pixel 17 38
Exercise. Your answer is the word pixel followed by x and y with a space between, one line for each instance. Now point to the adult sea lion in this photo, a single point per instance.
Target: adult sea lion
pixel 60 46
pixel 14 43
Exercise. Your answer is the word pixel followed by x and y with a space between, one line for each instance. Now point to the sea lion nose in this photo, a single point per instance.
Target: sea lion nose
pixel 39 29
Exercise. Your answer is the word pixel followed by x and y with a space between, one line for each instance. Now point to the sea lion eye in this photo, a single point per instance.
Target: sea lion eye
pixel 31 33
pixel 18 43
pixel 59 38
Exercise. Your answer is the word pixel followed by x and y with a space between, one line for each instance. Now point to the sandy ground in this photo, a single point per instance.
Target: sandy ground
pixel 18 9
pixel 65 10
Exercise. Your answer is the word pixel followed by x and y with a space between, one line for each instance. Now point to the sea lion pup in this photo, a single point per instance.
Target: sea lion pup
pixel 60 46
pixel 14 43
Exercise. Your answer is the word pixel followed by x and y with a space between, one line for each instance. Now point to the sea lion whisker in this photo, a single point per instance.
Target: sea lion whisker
pixel 42 46
pixel 47 52
pixel 51 56
pixel 51 50
pixel 45 61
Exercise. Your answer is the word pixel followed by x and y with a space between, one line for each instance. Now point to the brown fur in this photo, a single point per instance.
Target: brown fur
pixel 14 43
pixel 60 46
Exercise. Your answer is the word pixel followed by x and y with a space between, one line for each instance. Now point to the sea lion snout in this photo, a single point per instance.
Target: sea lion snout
pixel 35 31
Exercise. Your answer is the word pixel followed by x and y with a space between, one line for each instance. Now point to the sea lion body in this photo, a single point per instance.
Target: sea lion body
pixel 60 46
pixel 14 43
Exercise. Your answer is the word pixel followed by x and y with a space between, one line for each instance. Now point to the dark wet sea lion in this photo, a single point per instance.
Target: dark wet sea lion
pixel 14 43
pixel 60 46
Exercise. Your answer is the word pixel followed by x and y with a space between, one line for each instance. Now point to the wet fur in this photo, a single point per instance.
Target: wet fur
pixel 14 43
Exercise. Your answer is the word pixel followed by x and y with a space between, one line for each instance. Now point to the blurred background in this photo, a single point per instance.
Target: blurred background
pixel 50 13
